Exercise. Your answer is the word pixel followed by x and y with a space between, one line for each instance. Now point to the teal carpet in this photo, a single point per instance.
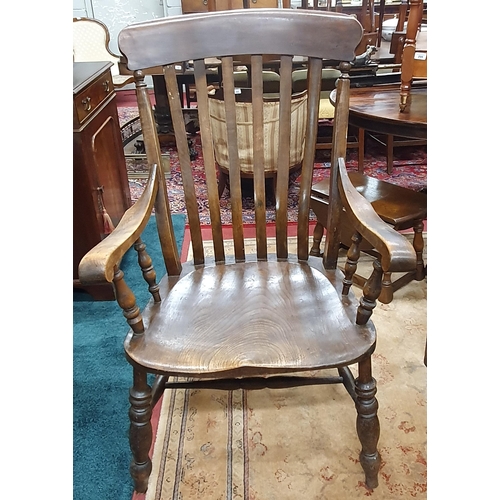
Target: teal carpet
pixel 101 380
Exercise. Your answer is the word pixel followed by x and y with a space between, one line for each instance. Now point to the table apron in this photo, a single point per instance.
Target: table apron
pixel 400 129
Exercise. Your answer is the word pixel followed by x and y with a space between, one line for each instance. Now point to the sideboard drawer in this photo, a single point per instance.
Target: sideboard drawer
pixel 194 6
pixel 88 100
pixel 263 4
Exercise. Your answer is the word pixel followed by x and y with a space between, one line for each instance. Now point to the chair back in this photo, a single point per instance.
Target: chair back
pixel 254 33
pixel 91 42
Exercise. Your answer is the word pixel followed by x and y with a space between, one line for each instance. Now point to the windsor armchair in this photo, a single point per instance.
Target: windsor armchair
pixel 240 320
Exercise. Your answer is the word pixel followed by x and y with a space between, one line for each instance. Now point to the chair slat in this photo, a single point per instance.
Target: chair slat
pixel 258 155
pixel 234 162
pixel 283 156
pixel 153 152
pixel 313 91
pixel 185 163
pixel 208 158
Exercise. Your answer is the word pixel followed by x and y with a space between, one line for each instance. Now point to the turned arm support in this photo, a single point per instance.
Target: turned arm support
pixel 98 265
pixel 396 252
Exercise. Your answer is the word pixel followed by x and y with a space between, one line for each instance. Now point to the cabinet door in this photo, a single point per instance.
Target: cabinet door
pixel 98 160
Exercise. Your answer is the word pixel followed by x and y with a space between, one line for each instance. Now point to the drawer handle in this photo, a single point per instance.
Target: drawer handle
pixel 205 2
pixel 86 104
pixel 106 86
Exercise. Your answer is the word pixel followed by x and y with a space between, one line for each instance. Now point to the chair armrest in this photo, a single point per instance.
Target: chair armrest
pixel 97 265
pixel 396 252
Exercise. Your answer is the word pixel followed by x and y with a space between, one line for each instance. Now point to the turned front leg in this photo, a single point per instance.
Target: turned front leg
pixel 148 271
pixel 351 264
pixel 387 293
pixel 418 245
pixel 367 423
pixel 141 432
pixel 317 237
pixel 371 292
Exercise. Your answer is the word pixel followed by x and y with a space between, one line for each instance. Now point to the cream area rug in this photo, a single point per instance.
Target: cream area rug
pixel 301 443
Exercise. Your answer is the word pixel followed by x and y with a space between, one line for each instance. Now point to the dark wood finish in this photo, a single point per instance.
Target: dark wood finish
pixel 376 109
pixel 98 161
pixel 380 104
pixel 399 207
pixel 239 315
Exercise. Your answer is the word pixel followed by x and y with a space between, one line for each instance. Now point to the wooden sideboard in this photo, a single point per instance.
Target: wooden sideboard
pixel 194 6
pixel 98 163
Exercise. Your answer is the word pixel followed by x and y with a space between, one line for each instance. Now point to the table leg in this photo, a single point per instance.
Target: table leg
pixel 162 108
pixel 361 149
pixel 390 153
pixel 380 21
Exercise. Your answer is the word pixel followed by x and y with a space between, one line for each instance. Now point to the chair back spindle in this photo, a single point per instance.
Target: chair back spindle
pixel 339 149
pixel 241 42
pixel 258 156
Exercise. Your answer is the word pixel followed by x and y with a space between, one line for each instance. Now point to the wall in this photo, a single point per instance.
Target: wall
pixel 116 14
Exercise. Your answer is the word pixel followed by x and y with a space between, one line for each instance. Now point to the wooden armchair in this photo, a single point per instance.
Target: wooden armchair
pixel 399 207
pixel 91 43
pixel 241 320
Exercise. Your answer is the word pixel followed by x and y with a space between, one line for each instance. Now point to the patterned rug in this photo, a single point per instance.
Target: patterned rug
pixel 410 170
pixel 301 443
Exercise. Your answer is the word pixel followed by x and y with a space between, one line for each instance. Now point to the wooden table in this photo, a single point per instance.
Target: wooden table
pixel 376 109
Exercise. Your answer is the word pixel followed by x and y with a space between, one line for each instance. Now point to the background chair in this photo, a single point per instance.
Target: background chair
pixel 241 320
pixel 244 131
pixel 91 43
pixel 399 207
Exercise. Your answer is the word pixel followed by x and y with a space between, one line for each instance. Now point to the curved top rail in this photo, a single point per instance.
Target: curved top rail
pixel 326 35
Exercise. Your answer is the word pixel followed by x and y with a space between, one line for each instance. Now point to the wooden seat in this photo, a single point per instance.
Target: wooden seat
pixel 91 43
pixel 236 319
pixel 399 207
